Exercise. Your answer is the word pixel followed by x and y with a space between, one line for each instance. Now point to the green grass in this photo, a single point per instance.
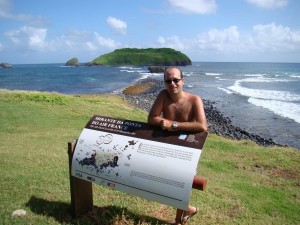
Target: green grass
pixel 247 184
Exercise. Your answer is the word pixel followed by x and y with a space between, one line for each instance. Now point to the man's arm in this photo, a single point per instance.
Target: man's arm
pixel 154 116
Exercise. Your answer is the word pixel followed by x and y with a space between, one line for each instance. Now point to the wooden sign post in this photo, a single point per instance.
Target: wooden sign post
pixel 81 190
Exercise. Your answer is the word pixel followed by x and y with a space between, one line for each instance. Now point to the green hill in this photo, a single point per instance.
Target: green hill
pixel 143 57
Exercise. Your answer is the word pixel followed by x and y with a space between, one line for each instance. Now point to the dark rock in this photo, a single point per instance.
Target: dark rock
pixel 157 69
pixel 5 65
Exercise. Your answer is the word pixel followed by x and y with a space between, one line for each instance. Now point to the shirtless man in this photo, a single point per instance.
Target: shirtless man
pixel 177 110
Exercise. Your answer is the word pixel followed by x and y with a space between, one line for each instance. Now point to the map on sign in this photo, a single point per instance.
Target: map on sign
pixel 135 158
pixel 104 157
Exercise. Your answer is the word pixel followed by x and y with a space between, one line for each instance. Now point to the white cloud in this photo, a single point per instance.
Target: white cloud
pixel 33 38
pixel 117 26
pixel 4 8
pixel 220 40
pixel 171 42
pixel 106 42
pixel 72 40
pixel 83 41
pixel 195 6
pixel 264 39
pixel 269 4
pixel 271 37
pixel 91 46
pixel 100 43
pixel 5 12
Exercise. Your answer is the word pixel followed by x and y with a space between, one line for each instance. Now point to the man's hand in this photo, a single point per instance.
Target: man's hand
pixel 166 125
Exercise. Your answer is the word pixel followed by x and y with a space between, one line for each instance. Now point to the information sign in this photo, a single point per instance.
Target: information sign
pixel 138 159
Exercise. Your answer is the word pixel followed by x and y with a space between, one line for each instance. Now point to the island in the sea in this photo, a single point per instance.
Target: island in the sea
pixel 143 57
pixel 72 62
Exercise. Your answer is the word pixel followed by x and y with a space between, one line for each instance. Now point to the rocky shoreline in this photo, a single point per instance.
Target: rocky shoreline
pixel 217 122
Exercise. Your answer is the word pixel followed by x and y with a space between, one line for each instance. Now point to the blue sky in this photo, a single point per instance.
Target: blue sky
pixel 53 31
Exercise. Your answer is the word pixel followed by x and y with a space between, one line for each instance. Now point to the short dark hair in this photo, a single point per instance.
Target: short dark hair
pixel 168 68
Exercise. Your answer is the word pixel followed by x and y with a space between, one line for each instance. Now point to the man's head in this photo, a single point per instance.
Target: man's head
pixel 173 70
pixel 174 80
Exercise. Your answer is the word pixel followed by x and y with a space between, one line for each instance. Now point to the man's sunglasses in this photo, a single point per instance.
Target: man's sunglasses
pixel 174 80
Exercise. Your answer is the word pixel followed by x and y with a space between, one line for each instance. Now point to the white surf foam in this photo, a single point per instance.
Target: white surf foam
pixel 285 109
pixel 263 94
pixel 145 75
pixel 255 75
pixel 225 90
pixel 129 68
pixel 188 74
pixel 128 71
pixel 213 74
pixel 283 103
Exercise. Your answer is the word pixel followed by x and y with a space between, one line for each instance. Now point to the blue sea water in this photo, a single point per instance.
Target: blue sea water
pixel 263 98
pixel 67 80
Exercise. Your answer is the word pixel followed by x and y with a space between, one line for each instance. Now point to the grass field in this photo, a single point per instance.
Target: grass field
pixel 247 184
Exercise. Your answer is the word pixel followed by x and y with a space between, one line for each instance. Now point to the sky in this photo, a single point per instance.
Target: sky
pixel 54 31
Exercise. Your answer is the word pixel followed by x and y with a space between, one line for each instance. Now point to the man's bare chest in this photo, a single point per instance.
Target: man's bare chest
pixel 178 111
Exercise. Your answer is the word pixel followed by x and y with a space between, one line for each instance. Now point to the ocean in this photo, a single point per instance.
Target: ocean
pixel 262 98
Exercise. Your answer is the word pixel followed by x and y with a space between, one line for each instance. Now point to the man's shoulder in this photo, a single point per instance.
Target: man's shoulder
pixel 163 93
pixel 192 96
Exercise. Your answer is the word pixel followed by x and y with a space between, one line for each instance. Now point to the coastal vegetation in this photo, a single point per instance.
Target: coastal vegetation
pixel 138 57
pixel 247 183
